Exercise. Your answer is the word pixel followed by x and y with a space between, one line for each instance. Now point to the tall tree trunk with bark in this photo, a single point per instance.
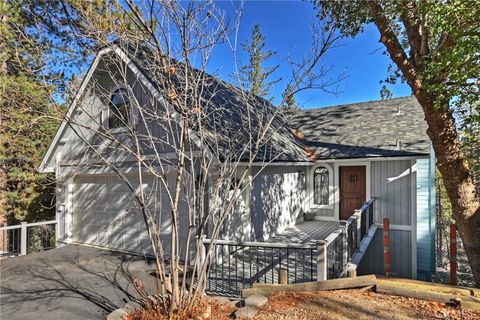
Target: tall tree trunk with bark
pixel 442 130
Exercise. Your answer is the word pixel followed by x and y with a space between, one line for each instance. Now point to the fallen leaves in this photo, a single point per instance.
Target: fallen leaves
pixel 356 304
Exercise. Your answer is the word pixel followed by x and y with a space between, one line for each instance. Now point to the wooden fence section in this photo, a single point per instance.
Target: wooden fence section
pixel 27 238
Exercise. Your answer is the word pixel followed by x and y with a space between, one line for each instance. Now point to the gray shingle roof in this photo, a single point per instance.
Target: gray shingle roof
pixel 232 117
pixel 365 130
pixel 359 130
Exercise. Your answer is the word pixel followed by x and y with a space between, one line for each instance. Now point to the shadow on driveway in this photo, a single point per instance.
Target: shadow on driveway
pixel 71 282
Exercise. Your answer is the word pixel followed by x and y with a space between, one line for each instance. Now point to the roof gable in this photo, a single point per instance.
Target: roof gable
pixel 226 114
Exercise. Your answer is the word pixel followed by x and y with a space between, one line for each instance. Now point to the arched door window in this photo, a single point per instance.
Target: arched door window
pixel 321 182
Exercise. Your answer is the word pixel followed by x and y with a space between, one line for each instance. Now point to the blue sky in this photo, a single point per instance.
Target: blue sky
pixel 286 27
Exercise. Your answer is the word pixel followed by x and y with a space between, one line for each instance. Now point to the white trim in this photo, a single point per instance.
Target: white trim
pixel 310 191
pixel 70 111
pixel 69 212
pixel 336 166
pixel 308 163
pixel 324 218
pixel 133 112
pixel 375 159
pixel 413 209
pixel 399 227
pixel 167 155
pixel 166 169
pixel 273 164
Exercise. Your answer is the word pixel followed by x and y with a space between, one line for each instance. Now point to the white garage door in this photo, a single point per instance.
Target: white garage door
pixel 105 212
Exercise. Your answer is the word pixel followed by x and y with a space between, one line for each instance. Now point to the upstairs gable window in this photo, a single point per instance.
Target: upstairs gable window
pixel 119 110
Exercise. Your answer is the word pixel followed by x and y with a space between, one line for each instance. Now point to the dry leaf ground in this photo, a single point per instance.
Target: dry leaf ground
pixel 356 304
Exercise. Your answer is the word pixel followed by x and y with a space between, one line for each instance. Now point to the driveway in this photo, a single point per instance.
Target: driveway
pixel 68 283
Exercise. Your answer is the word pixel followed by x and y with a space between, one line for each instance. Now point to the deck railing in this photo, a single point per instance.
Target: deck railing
pixel 358 225
pixel 336 260
pixel 236 265
pixel 27 238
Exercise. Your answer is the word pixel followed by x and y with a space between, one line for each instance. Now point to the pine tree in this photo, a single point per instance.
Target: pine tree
pixel 255 76
pixel 38 40
pixel 289 103
pixel 27 127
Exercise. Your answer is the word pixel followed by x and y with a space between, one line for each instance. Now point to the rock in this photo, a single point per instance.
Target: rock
pixel 246 312
pixel 256 301
pixel 221 300
pixel 118 314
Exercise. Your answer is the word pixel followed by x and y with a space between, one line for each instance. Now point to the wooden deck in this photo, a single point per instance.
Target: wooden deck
pixel 237 267
pixel 306 232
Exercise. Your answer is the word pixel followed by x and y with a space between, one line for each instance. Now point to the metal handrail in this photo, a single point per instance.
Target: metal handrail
pixel 261 244
pixel 367 204
pixel 33 224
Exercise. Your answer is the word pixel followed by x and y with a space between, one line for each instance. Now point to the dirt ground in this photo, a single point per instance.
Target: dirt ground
pixel 356 304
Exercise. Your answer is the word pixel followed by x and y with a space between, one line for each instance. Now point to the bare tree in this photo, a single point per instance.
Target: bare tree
pixel 182 141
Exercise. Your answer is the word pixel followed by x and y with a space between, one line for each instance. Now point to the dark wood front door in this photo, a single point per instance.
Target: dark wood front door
pixel 352 189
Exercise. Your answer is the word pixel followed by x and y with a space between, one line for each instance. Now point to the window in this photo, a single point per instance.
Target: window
pixel 119 109
pixel 321 182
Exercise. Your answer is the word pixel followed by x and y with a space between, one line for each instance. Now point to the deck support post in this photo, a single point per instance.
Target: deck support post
pixel 282 276
pixel 322 260
pixel 358 214
pixel 344 227
pixel 386 246
pixel 23 239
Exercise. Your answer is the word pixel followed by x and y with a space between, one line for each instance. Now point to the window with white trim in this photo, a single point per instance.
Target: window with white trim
pixel 119 109
pixel 321 186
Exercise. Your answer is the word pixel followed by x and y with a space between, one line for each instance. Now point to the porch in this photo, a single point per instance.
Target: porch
pixel 308 251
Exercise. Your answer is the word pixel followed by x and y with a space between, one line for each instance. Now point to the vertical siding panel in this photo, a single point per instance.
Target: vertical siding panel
pixel 397 196
pixel 394 202
pixel 425 218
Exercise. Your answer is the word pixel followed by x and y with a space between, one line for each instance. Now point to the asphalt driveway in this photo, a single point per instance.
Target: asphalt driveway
pixel 69 283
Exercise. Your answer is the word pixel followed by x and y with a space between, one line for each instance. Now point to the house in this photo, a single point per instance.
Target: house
pixel 327 162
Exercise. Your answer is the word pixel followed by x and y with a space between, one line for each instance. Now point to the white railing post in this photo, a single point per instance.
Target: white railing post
pixel 344 226
pixel 358 213
pixel 23 239
pixel 321 260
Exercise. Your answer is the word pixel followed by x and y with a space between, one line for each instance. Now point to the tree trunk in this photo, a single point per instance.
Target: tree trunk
pixel 451 161
pixel 457 179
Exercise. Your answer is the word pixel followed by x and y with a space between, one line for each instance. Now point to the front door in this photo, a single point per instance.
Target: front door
pixel 352 189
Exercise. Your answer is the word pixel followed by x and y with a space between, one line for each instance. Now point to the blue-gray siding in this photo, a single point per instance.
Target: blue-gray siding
pixel 392 182
pixel 401 259
pixel 426 206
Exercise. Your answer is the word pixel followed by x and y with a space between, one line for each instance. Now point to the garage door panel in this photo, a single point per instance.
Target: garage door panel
pixel 103 238
pixel 105 212
pixel 116 201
